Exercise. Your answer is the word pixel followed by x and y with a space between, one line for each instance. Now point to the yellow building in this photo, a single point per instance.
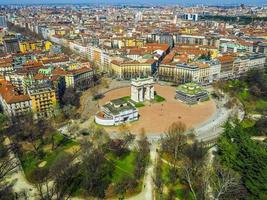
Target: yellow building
pixel 48 45
pixel 29 46
pixel 43 101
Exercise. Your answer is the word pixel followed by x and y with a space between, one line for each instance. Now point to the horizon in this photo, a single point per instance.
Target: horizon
pixel 139 2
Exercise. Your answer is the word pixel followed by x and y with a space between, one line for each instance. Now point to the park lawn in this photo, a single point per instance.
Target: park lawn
pixel 254 106
pixel 126 98
pixel 30 160
pixel 248 123
pixel 180 189
pixel 159 99
pixel 139 104
pixel 123 166
pixel 251 103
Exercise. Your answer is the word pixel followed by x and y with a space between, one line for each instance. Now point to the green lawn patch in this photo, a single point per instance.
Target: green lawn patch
pixel 179 188
pixel 30 160
pixel 124 166
pixel 247 123
pixel 190 88
pixel 139 104
pixel 261 105
pixel 159 99
pixel 126 98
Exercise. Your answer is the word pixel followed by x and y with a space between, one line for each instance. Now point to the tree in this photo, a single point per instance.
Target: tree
pixel 71 97
pixel 8 161
pixel 59 181
pixel 194 168
pixel 98 136
pixel 237 151
pixel 3 122
pixel 95 92
pixel 257 81
pixel 142 158
pixel 226 183
pixel 261 125
pixel 6 192
pixel 126 184
pixel 64 173
pixel 254 90
pixel 157 179
pixel 97 172
pixel 121 146
pixel 174 140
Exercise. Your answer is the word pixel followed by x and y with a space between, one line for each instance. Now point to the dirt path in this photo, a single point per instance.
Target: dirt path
pixel 148 186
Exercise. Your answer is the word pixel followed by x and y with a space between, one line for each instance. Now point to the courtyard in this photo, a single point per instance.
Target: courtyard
pixel 155 118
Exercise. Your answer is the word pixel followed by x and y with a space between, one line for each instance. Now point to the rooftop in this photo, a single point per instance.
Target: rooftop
pixel 190 88
pixel 117 106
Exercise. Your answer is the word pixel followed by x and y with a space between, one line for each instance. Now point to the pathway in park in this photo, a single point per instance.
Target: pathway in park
pixel 148 185
pixel 18 179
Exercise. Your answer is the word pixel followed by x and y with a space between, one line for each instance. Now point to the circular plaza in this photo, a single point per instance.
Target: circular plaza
pixel 156 117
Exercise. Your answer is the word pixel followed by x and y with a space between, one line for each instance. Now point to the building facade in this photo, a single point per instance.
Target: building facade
pixel 43 100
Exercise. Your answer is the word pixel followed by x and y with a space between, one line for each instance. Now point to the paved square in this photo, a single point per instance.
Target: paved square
pixel 157 117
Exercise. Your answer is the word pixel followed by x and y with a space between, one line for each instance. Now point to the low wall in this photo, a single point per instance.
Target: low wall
pixel 104 122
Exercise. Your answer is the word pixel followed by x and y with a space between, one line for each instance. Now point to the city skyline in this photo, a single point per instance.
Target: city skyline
pixel 149 2
pixel 131 99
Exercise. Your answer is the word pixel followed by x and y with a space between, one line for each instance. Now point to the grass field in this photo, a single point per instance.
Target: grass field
pixel 180 189
pixel 159 99
pixel 123 166
pixel 30 160
pixel 251 103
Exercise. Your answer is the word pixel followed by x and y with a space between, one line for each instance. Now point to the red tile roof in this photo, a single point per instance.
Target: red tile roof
pixel 8 93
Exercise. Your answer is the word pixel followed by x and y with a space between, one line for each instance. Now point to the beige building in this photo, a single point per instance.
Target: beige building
pixel 82 77
pixel 132 69
pixel 200 72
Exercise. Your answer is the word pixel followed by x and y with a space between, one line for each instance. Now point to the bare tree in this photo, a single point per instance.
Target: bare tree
pixel 8 162
pixel 142 158
pixel 174 140
pixel 194 169
pixel 157 179
pixel 60 181
pixel 225 181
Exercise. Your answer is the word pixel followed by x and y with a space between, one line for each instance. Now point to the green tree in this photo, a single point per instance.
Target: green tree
pixel 97 172
pixel 236 150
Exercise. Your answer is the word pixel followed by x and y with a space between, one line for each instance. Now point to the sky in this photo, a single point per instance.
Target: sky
pixel 151 2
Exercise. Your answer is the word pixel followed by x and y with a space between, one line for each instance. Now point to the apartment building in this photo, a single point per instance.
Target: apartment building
pixel 200 72
pixel 6 66
pixel 246 62
pixel 43 99
pixel 99 57
pixel 12 103
pixel 81 78
pixel 227 64
pixel 132 69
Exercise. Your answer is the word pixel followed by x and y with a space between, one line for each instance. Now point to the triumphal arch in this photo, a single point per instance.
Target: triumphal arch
pixel 142 89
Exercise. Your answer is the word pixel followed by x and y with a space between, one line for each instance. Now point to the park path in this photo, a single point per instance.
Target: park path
pixel 18 179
